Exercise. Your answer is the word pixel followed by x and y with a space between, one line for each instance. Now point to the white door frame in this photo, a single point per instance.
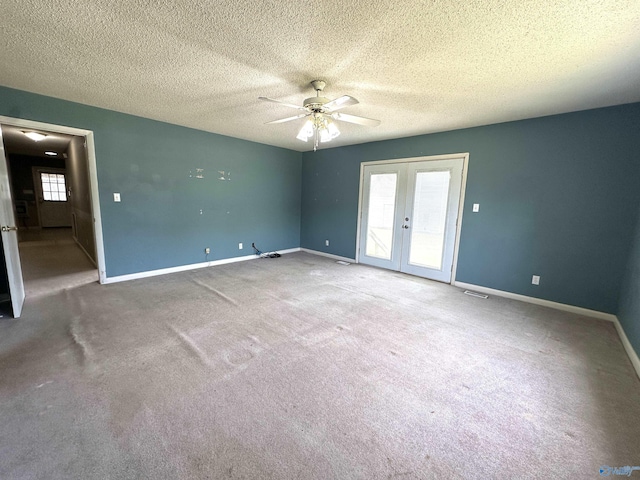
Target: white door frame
pixel 93 176
pixel 465 165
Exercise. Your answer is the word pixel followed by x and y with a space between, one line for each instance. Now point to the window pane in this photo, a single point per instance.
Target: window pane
pixel 429 219
pixel 54 188
pixel 380 217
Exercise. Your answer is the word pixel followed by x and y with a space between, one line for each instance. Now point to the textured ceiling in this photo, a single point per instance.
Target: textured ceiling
pixel 419 66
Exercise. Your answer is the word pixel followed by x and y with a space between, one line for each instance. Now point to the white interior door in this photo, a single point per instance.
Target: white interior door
pixel 54 209
pixel 10 237
pixel 409 216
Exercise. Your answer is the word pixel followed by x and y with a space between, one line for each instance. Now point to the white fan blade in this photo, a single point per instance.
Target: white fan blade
pixel 288 119
pixel 343 117
pixel 297 107
pixel 338 103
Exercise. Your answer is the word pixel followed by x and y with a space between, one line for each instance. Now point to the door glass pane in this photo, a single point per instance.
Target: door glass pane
pixel 429 219
pixel 380 217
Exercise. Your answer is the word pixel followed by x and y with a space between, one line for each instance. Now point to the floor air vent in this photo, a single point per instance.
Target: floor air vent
pixel 475 294
pixel 341 262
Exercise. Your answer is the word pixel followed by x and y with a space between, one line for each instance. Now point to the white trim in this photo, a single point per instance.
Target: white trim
pixel 359 219
pixel 447 156
pixel 75 239
pixel 95 206
pixel 22 123
pixel 463 188
pixel 539 301
pixel 93 176
pixel 631 353
pixel 456 244
pixel 184 268
pixel 328 255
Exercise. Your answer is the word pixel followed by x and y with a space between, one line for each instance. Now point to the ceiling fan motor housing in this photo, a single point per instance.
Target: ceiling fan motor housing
pixel 315 103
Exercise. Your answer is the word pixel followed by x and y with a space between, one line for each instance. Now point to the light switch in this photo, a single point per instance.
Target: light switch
pixel 476 207
pixel 116 197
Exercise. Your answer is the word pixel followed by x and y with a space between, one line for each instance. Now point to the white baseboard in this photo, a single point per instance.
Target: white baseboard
pixel 184 268
pixel 328 255
pixel 539 301
pixel 75 239
pixel 633 355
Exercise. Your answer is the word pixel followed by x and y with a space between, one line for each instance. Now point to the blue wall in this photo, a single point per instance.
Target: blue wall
pixel 558 198
pixel 158 223
pixel 629 310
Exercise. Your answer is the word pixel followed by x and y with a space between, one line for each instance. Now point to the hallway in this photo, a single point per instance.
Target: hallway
pixel 52 261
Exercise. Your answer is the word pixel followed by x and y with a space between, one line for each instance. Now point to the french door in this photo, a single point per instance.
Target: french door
pixel 409 216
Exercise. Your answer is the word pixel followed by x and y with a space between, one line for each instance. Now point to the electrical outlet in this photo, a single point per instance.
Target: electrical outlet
pixel 535 280
pixel 116 197
pixel 207 251
pixel 326 243
pixel 476 207
pixel 240 246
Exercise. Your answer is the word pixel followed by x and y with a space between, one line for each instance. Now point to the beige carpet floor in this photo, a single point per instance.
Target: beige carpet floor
pixel 52 261
pixel 300 368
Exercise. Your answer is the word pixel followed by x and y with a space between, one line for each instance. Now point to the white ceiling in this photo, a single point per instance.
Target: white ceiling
pixel 419 66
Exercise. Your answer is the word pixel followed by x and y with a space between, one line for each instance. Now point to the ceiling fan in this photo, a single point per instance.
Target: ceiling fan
pixel 321 112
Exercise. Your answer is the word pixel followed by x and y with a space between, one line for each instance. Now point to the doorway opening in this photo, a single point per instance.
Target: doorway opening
pixel 51 231
pixel 410 214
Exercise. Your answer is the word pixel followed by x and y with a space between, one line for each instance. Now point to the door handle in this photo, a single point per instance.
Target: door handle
pixel 405 226
pixel 7 228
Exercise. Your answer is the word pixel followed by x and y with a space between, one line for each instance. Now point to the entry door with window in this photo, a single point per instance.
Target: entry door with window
pixel 53 203
pixel 409 216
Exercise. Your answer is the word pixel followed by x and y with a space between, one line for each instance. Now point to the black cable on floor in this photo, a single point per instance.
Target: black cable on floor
pixel 265 255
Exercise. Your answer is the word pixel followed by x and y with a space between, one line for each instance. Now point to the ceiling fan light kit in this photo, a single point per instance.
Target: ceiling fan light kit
pixel 322 112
